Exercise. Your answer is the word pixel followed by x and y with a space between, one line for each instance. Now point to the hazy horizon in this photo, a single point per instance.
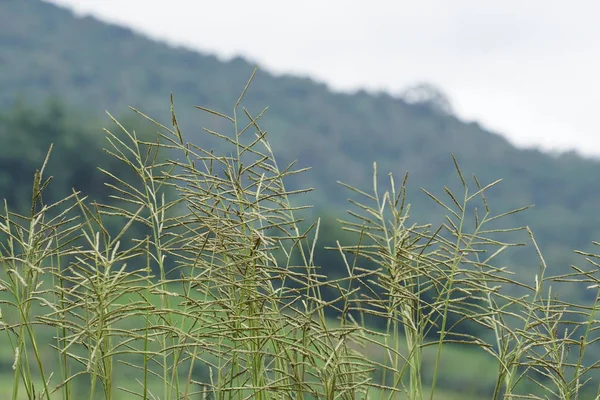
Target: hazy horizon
pixel 525 71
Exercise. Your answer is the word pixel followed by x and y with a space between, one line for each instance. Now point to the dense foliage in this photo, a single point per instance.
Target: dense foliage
pixel 221 296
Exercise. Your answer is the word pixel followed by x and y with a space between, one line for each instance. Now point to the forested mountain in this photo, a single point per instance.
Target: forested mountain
pixel 48 52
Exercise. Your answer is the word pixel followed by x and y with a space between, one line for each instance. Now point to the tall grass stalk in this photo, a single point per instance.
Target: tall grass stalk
pixel 221 296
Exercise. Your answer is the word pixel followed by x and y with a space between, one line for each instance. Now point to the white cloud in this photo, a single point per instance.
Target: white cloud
pixel 525 69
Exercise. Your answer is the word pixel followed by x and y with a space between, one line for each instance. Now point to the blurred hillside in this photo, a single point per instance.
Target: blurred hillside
pixel 46 52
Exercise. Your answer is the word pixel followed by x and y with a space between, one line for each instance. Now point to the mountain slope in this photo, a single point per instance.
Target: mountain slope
pixel 47 51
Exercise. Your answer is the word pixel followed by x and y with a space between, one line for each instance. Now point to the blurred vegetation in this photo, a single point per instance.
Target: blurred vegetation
pixel 46 52
pixel 60 71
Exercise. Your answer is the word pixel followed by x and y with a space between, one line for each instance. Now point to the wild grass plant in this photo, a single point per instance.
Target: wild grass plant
pixel 223 297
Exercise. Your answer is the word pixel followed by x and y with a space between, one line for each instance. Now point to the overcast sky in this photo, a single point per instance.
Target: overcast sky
pixel 526 69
